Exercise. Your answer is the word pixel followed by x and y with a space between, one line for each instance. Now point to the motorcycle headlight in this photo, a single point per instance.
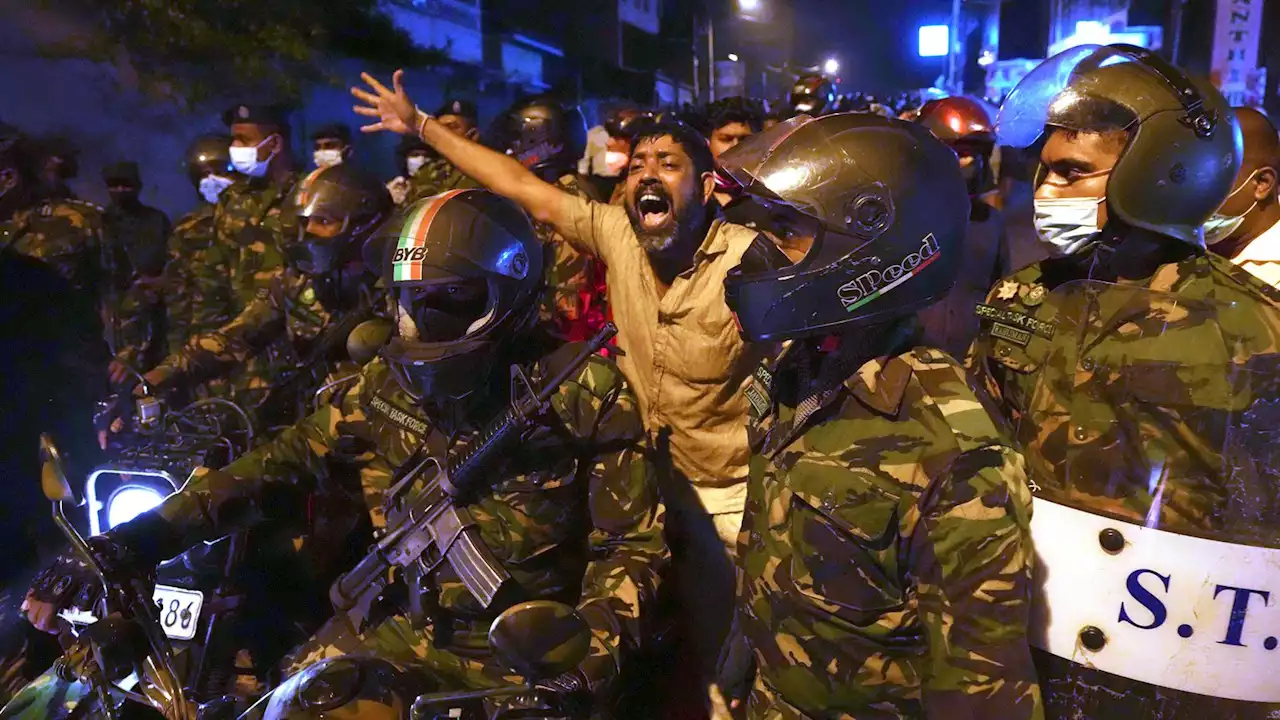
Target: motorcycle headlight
pixel 116 495
pixel 129 502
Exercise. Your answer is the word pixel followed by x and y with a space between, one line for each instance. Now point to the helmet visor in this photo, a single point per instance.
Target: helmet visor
pixel 444 310
pixel 1074 90
pixel 803 164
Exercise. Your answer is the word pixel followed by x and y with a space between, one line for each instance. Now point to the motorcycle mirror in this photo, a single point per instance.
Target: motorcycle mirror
pixel 53 476
pixel 540 639
pixel 367 339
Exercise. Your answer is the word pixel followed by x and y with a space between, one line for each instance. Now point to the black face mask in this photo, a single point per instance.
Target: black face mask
pixel 316 256
pixel 124 198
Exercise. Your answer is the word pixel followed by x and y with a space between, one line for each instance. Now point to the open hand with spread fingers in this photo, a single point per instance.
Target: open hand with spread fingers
pixel 392 108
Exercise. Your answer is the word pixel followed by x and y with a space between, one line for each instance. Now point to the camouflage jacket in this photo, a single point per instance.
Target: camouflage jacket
pixel 268 343
pixel 198 297
pixel 248 222
pixel 435 177
pixel 885 553
pixel 575 301
pixel 67 234
pixel 575 514
pixel 1125 396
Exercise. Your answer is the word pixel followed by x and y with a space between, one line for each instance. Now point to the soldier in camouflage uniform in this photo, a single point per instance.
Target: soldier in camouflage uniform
pixel 885 557
pixel 309 310
pixel 64 233
pixel 574 515
pixel 51 375
pixel 191 247
pixel 438 175
pixel 548 139
pixel 248 217
pixel 1136 370
pixel 191 306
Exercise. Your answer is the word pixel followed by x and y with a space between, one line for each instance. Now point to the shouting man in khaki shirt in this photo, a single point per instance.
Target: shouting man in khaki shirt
pixel 667 256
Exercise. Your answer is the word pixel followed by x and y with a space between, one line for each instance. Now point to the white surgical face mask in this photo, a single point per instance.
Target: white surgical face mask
pixel 327 158
pixel 245 159
pixel 414 164
pixel 1067 224
pixel 213 185
pixel 1219 227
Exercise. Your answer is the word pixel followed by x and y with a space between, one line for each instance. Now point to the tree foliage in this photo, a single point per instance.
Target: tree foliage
pixel 198 50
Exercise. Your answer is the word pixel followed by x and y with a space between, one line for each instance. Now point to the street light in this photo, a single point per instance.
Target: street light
pixel 750 10
pixel 733 57
pixel 831 67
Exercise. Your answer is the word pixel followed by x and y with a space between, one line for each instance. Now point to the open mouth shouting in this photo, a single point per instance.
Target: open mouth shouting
pixel 653 207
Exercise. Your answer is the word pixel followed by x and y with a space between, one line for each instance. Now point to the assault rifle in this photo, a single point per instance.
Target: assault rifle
pixel 426 510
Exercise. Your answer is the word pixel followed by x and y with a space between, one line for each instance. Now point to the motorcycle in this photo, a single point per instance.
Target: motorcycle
pixel 121 664
pixel 535 640
pixel 223 648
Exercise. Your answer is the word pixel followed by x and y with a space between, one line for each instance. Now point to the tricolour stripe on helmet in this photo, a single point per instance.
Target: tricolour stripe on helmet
pixel 406 264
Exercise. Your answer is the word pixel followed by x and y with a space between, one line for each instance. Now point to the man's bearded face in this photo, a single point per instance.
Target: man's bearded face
pixel 665 198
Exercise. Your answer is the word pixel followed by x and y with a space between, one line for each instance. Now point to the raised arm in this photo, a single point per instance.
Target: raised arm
pixel 502 174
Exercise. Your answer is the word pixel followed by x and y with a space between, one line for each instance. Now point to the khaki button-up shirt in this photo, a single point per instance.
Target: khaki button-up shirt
pixel 684 358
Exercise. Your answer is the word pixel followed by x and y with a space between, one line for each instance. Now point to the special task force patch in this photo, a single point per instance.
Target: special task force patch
pixel 1014 326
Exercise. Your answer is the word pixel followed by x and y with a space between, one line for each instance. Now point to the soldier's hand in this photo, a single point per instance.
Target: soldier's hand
pixel 394 110
pixel 68 582
pixel 117 372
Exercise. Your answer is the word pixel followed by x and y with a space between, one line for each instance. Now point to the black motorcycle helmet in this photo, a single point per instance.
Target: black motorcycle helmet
pixel 208 155
pixel 340 195
pixel 811 95
pixel 464 271
pixel 885 204
pixel 543 135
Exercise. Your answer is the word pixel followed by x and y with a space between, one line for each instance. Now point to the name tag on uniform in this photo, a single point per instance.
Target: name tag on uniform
pixel 759 393
pixel 399 417
pixel 1012 334
pixel 1016 320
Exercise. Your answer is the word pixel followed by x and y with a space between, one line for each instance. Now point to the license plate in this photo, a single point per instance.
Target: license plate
pixel 179 610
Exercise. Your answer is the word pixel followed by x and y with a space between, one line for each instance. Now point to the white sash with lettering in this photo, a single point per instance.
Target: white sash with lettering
pixel 1175 611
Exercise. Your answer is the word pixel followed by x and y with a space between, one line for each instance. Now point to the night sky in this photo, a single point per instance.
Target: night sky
pixel 875 40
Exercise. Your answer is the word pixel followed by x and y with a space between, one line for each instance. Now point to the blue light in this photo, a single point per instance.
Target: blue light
pixel 934 40
pixel 129 502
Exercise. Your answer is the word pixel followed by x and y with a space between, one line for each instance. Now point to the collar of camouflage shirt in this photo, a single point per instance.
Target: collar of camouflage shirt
pixel 881 384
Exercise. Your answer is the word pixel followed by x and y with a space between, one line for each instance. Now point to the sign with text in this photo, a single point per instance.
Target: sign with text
pixel 1172 610
pixel 640 13
pixel 1237 30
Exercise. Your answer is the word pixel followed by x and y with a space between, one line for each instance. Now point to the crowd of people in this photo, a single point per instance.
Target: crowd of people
pixel 818 431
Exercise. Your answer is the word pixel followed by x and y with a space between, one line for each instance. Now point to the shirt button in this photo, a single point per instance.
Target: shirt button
pixel 1004 352
pixel 1081 433
pixel 1087 364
